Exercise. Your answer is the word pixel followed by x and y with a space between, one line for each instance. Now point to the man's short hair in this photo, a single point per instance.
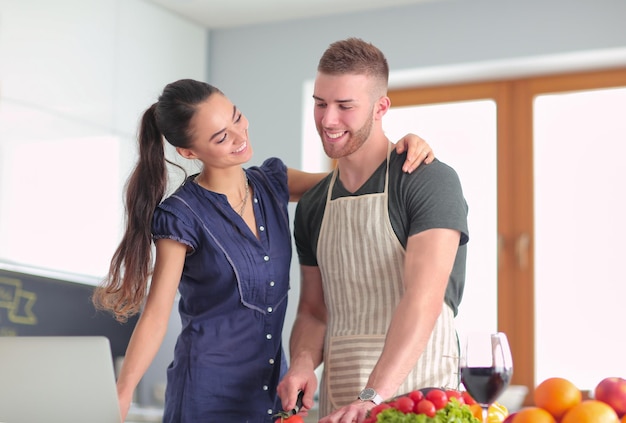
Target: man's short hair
pixel 355 56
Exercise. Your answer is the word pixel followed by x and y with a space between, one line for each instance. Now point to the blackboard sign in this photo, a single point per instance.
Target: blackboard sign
pixel 36 305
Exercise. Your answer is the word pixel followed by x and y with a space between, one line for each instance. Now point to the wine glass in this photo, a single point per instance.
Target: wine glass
pixel 486 367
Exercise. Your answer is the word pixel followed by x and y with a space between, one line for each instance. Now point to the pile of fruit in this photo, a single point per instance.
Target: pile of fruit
pixel 556 400
pixel 432 405
pixel 559 400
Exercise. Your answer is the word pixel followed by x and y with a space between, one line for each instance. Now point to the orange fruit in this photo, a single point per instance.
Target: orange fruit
pixel 557 395
pixel 623 419
pixel 533 415
pixel 591 411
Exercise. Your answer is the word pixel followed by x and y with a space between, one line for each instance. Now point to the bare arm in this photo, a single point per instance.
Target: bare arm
pixel 418 152
pixel 430 256
pixel 307 341
pixel 152 324
pixel 300 182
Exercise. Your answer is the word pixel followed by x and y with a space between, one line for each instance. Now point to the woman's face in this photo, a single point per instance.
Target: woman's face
pixel 219 134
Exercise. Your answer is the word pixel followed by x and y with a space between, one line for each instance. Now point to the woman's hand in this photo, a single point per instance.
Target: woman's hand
pixel 418 152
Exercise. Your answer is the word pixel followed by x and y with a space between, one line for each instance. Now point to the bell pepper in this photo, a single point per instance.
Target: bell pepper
pixel 497 412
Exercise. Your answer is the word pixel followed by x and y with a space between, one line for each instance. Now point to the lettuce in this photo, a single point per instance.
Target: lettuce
pixel 453 412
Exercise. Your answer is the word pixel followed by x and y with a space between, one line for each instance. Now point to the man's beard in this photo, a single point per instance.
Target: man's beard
pixel 355 141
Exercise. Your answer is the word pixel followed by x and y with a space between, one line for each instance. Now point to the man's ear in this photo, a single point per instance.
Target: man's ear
pixel 382 105
pixel 186 153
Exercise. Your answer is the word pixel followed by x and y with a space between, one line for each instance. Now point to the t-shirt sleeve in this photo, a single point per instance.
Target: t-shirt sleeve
pixel 302 235
pixel 167 224
pixel 435 200
pixel 308 220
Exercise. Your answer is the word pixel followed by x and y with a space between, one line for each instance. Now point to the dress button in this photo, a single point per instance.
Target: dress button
pixel 261 228
pixel 268 336
pixel 272 283
pixel 271 361
pixel 256 200
pixel 270 411
pixel 266 258
pixel 265 388
pixel 270 309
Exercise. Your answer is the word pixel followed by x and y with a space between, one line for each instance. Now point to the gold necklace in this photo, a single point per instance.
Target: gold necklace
pixel 245 196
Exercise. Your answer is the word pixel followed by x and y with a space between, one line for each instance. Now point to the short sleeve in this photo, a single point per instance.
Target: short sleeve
pixel 435 200
pixel 276 173
pixel 168 224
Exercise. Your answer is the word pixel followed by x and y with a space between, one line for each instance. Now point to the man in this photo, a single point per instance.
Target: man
pixel 382 254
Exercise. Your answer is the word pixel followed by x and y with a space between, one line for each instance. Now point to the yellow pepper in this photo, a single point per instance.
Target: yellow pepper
pixel 497 412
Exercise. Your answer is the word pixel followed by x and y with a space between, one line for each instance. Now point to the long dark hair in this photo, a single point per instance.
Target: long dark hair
pixel 123 290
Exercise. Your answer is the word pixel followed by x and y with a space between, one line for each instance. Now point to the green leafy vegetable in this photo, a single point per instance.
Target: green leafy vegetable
pixel 453 412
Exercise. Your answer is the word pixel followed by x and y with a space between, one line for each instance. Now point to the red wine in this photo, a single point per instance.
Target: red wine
pixel 485 384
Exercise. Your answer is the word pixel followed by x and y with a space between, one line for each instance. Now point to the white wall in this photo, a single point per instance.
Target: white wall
pixel 75 76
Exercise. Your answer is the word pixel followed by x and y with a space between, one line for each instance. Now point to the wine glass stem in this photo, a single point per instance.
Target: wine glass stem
pixel 485 409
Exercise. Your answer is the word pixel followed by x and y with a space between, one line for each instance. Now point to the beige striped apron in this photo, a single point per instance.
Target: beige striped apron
pixel 361 262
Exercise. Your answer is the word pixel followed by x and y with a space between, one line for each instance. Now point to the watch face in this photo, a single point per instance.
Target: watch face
pixel 367 394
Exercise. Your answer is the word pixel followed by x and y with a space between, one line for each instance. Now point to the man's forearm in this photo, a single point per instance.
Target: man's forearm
pixel 306 345
pixel 407 337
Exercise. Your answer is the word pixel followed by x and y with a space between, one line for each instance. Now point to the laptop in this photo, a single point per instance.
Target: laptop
pixel 51 379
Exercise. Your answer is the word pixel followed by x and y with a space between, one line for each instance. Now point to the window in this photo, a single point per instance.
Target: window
pixel 560 143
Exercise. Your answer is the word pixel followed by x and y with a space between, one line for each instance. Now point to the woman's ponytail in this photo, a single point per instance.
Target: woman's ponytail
pixel 125 287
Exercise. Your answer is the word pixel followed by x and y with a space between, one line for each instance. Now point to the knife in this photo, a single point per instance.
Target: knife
pixel 293 411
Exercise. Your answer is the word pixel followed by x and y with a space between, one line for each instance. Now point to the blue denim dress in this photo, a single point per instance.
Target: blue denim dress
pixel 228 357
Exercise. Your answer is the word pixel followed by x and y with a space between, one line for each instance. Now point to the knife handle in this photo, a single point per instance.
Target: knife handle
pixel 298 402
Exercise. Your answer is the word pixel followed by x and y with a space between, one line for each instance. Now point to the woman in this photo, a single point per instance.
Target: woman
pixel 223 240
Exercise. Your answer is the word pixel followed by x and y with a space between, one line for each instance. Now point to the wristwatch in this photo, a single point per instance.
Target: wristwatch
pixel 369 394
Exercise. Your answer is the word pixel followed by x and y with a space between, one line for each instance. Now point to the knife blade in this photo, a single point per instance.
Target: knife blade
pixel 293 411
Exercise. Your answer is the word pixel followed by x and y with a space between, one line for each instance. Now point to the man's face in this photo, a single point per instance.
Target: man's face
pixel 344 112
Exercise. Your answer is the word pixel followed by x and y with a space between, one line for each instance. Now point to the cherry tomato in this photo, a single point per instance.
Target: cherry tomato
pixel 438 398
pixel 416 396
pixel 405 404
pixel 293 419
pixel 426 407
pixel 468 398
pixel 377 409
pixel 451 393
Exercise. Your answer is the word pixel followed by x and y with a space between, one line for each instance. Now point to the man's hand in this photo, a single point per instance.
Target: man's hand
pixel 292 383
pixel 353 412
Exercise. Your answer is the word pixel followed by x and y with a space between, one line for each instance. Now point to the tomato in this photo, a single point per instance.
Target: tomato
pixel 438 398
pixel 451 393
pixel 468 398
pixel 377 409
pixel 416 396
pixel 404 404
pixel 426 407
pixel 293 419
